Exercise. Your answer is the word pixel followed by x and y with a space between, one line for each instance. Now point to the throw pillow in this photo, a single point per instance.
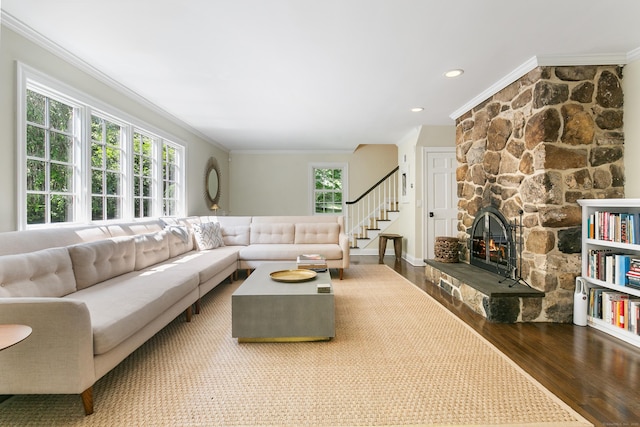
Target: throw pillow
pixel 208 235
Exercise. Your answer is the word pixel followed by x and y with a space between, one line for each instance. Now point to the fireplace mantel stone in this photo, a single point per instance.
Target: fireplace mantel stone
pixel 486 293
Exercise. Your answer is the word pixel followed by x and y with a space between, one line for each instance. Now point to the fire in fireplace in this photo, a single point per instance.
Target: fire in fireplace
pixel 491 243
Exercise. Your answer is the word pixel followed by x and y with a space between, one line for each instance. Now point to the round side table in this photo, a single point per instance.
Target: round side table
pixel 13 334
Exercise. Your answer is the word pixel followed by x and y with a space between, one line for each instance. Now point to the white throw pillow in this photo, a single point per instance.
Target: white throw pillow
pixel 208 235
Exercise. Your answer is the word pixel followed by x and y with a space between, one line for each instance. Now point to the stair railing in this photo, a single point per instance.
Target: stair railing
pixel 364 213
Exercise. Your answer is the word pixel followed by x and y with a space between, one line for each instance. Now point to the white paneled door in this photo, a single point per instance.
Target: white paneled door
pixel 440 195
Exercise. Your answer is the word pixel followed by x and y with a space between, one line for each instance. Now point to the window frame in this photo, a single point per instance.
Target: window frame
pixel 85 106
pixel 312 186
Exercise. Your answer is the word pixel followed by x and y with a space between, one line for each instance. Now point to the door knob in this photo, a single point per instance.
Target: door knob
pixel 430 214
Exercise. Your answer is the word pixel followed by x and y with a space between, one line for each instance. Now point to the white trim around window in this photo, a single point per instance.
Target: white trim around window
pixel 345 184
pixel 84 107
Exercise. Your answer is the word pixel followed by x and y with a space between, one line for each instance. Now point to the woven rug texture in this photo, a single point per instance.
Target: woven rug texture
pixel 399 358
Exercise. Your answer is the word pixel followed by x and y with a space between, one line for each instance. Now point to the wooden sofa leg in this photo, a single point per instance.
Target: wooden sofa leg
pixel 340 271
pixel 198 306
pixel 188 313
pixel 87 400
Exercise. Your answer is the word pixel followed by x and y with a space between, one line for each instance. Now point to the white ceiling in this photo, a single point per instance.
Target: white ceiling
pixel 326 74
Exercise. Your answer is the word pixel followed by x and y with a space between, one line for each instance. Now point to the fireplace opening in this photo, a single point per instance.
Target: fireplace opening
pixel 491 243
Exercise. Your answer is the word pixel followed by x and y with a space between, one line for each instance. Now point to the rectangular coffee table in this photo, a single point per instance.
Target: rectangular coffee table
pixel 263 309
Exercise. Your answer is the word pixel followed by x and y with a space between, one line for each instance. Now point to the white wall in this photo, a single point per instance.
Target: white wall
pixel 410 225
pixel 13 48
pixel 631 87
pixel 278 183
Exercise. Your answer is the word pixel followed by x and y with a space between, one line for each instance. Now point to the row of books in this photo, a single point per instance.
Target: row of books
pixel 615 308
pixel 610 266
pixel 614 227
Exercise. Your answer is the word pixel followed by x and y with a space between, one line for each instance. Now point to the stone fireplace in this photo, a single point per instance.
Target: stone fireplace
pixel 529 153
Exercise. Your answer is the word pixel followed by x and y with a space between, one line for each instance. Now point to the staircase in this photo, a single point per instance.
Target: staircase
pixel 371 213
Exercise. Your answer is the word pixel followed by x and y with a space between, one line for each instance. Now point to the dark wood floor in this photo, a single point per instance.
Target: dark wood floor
pixel 597 375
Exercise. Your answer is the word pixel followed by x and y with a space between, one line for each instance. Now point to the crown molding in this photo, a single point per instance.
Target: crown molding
pixel 17 26
pixel 514 75
pixel 545 60
pixel 633 55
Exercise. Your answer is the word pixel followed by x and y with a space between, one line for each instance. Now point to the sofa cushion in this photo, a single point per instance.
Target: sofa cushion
pixel 151 248
pixel 317 233
pixel 288 252
pixel 208 235
pixel 205 263
pixel 180 240
pixel 123 305
pixel 235 235
pixel 44 273
pixel 98 261
pixel 272 233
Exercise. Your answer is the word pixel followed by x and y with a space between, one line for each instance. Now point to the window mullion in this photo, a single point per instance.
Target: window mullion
pixel 127 172
pixel 158 182
pixel 82 164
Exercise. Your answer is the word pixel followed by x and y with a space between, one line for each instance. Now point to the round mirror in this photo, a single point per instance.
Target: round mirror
pixel 212 184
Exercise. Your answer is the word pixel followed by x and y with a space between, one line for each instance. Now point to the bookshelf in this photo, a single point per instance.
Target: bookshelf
pixel 608 230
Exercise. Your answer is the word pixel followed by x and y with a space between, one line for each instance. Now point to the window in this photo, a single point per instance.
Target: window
pixel 143 173
pixel 50 159
pixel 82 160
pixel 329 184
pixel 170 183
pixel 107 174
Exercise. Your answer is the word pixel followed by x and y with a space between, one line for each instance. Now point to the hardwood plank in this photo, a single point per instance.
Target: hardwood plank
pixel 595 374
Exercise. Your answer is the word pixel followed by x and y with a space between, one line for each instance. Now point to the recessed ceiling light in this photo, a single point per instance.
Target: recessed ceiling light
pixel 417 109
pixel 454 73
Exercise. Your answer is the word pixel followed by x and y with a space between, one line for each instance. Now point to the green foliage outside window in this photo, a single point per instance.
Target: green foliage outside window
pixel 142 175
pixel 169 184
pixel 55 149
pixel 328 191
pixel 106 169
pixel 49 151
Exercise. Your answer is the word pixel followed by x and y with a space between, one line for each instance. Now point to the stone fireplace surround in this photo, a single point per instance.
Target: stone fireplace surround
pixel 550 138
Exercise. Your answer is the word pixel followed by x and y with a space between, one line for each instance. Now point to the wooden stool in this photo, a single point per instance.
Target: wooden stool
pixel 382 245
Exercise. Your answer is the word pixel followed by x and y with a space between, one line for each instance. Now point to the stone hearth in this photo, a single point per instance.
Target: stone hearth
pixel 552 137
pixel 495 297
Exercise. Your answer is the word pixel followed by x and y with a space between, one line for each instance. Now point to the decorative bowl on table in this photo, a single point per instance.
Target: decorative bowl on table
pixel 293 276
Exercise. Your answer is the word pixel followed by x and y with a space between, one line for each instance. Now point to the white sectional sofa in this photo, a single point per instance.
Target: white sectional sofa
pixel 93 294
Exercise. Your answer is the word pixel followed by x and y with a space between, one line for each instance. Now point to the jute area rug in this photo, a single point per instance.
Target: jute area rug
pixel 399 358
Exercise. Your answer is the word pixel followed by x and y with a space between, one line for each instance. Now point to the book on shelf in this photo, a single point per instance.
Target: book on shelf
pixel 595 302
pixel 622 265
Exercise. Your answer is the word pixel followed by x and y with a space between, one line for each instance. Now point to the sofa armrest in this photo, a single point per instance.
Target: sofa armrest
pixel 345 246
pixel 58 355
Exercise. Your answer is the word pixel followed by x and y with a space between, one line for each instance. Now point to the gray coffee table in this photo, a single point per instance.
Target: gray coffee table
pixel 263 309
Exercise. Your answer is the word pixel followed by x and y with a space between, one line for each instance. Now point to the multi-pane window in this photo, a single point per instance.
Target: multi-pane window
pixel 81 160
pixel 170 179
pixel 328 190
pixel 143 173
pixel 107 173
pixel 50 173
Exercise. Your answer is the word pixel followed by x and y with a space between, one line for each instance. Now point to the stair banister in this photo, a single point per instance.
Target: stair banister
pixel 365 214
